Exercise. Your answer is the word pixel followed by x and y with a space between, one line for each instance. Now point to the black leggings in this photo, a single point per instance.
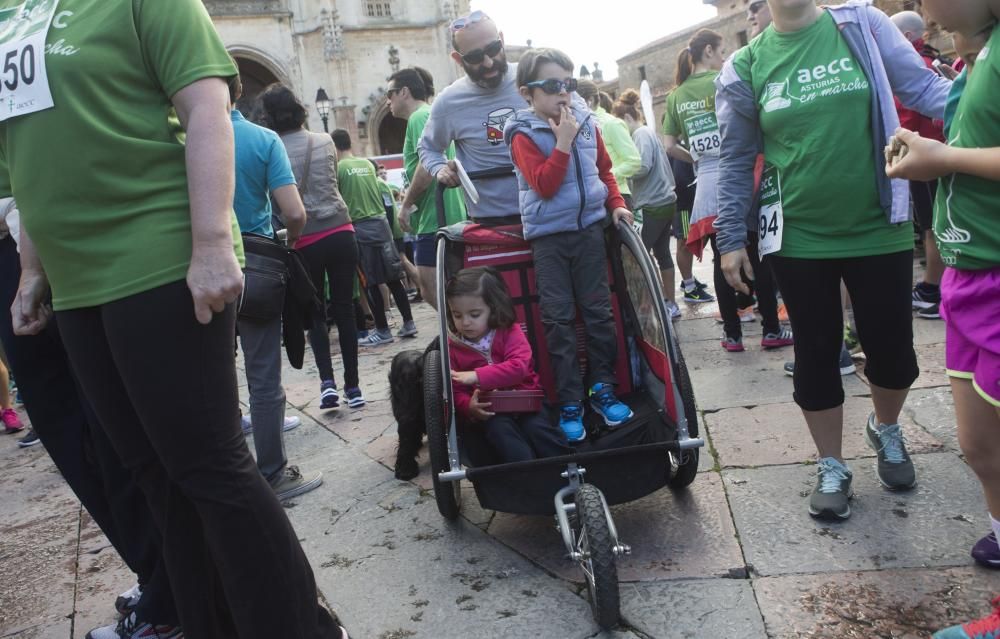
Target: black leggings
pixel 378 305
pixel 64 421
pixel 227 542
pixel 762 284
pixel 336 257
pixel 880 294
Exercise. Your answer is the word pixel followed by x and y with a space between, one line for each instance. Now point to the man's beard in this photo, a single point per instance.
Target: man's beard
pixel 476 73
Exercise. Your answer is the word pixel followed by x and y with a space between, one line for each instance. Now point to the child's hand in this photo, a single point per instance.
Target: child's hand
pixel 923 159
pixel 565 130
pixel 469 378
pixel 477 409
pixel 620 214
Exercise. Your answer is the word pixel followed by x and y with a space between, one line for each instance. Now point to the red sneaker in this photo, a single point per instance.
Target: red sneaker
pixel 776 340
pixel 11 422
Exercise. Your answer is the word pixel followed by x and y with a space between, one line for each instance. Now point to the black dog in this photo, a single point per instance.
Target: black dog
pixel 406 388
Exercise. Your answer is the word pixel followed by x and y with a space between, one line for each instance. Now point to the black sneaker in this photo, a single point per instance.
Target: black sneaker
pixel 932 312
pixel 29 440
pixel 925 296
pixel 698 294
pixel 830 498
pixel 894 466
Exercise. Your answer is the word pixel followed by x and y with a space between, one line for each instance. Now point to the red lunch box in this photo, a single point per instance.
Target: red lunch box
pixel 513 401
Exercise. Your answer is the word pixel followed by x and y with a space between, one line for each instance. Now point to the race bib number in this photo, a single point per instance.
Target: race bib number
pixel 24 82
pixel 703 135
pixel 771 222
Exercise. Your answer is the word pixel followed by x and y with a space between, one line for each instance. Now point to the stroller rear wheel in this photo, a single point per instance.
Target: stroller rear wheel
pixel 447 494
pixel 597 558
pixel 684 465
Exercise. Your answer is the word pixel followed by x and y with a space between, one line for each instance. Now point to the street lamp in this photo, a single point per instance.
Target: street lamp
pixel 323 106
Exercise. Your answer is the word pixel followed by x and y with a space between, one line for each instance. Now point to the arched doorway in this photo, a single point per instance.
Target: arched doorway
pixel 255 77
pixel 391 134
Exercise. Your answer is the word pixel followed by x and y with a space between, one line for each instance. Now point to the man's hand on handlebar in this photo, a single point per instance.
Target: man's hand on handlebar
pixel 448 174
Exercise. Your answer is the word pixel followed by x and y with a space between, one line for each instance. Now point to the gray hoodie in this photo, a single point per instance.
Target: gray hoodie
pixel 653 183
pixel 474 118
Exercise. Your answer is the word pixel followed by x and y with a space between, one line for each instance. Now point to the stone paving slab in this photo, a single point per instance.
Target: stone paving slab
pixel 102 577
pixel 752 378
pixel 38 575
pixel 935 524
pixel 693 609
pixel 934 410
pixel 927 331
pixel 378 540
pixel 672 535
pixel 777 434
pixel 902 604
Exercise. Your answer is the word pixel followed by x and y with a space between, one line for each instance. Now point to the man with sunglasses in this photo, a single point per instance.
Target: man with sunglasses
pixel 472 112
pixel 758 17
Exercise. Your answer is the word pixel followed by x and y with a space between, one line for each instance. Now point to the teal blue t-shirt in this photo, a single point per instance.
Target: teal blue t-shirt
pixel 261 167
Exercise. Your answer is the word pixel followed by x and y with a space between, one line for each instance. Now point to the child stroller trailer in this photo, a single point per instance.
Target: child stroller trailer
pixel 658 447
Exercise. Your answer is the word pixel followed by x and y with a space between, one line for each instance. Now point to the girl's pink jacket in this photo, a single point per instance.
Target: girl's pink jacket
pixel 509 365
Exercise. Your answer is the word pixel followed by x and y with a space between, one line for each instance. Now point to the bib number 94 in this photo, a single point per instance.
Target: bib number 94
pixel 770 225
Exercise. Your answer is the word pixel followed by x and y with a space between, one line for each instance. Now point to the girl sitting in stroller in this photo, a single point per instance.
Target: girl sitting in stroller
pixel 488 351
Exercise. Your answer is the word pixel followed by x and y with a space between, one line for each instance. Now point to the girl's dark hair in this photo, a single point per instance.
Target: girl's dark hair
pixel 282 110
pixel 419 81
pixel 527 66
pixel 605 101
pixel 484 282
pixel 695 52
pixel 628 103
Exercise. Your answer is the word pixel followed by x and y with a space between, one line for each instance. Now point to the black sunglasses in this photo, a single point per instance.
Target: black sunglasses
pixel 553 86
pixel 476 56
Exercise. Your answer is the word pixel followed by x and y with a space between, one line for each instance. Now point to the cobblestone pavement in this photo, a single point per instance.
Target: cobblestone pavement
pixel 735 556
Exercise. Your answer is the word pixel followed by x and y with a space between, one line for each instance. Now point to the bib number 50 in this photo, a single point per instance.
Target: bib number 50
pixel 18 68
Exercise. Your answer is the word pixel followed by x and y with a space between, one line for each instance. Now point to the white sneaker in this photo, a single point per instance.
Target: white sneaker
pixel 290 423
pixel 132 628
pixel 672 309
pixel 128 600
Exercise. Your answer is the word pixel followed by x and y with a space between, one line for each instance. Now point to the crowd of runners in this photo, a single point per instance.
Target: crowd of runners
pixel 803 164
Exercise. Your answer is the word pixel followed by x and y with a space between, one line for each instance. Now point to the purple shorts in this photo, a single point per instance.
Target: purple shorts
pixel 970 306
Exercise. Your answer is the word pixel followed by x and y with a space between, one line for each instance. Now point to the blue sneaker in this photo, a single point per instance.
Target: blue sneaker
pixel 603 400
pixel 986 628
pixel 571 421
pixel 328 396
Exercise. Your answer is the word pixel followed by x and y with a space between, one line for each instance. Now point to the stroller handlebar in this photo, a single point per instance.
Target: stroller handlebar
pixel 485 174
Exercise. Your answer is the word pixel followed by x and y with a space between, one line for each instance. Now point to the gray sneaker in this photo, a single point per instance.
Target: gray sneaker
pixel 409 329
pixel 829 499
pixel 894 466
pixel 292 483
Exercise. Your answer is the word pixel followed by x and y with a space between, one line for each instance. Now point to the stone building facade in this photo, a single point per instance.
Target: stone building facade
pixel 347 48
pixel 657 61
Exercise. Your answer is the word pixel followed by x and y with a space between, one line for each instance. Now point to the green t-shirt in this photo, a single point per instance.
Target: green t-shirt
pixel 815 113
pixel 388 193
pixel 967 217
pixel 425 221
pixel 100 178
pixel 689 103
pixel 359 188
